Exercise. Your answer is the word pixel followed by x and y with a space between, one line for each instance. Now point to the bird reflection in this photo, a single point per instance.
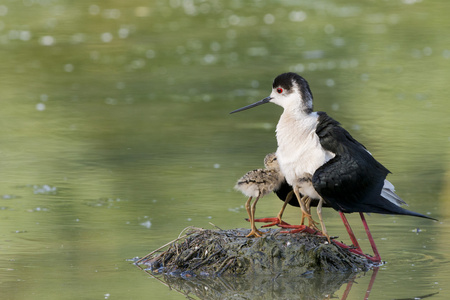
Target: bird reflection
pixel 281 286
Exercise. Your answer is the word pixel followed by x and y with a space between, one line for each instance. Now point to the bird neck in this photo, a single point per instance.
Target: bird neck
pixel 295 126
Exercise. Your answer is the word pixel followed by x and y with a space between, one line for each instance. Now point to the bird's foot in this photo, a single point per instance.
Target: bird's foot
pixel 327 236
pixel 299 228
pixel 255 233
pixel 358 251
pixel 313 224
pixel 272 221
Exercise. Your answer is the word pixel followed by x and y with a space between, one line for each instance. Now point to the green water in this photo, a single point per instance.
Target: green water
pixel 115 133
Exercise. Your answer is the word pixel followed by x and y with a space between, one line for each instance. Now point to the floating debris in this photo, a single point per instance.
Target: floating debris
pixel 44 189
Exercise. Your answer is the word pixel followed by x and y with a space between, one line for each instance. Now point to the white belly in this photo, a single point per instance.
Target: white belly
pixel 299 150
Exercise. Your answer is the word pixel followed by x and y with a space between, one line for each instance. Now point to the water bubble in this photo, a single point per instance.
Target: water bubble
pixel 258 51
pixel 338 42
pixel 269 19
pixel 123 33
pixel 150 53
pixel 206 98
pixel 106 37
pixel 234 20
pixel 46 40
pixel 312 66
pixel 365 77
pixel 142 11
pixel 215 46
pixel 411 1
pixel 68 68
pixel 40 107
pixel 329 29
pixel 299 68
pixel 77 38
pixel 205 8
pixel 3 10
pixel 329 82
pixel 25 35
pixel 335 106
pixel 209 59
pixel 94 9
pixel 138 63
pixel 94 55
pixel 146 224
pixel 111 13
pixel 44 189
pixel 427 51
pixel 297 16
pixel 330 65
pixel 13 34
pixel 313 54
pixel 356 127
pixel 111 101
pixel 175 3
pixel 189 7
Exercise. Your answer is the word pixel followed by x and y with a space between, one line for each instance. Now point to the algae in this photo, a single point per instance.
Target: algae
pixel 213 253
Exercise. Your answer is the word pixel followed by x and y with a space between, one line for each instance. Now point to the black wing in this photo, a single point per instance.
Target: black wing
pixel 351 181
pixel 285 189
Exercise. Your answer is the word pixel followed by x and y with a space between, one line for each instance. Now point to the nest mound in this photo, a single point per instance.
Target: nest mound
pixel 228 252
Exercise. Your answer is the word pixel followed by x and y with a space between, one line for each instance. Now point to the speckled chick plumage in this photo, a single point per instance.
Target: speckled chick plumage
pixel 261 182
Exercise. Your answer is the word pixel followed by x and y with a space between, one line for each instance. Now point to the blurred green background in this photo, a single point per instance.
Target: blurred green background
pixel 115 133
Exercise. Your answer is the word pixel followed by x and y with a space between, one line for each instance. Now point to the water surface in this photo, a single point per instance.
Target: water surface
pixel 116 135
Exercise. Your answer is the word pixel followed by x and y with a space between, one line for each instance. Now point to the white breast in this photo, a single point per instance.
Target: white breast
pixel 299 150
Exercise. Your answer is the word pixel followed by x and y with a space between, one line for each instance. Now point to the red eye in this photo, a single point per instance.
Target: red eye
pixel 279 90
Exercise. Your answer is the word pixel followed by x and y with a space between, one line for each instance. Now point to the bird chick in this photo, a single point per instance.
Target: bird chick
pixel 257 184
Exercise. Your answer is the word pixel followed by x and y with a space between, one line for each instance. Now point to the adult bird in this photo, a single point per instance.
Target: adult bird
pixel 258 183
pixel 320 159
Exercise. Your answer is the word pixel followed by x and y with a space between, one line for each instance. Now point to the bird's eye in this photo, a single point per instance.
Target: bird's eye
pixel 279 90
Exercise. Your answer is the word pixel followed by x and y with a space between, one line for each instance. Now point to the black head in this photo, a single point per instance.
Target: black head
pixel 289 90
pixel 291 82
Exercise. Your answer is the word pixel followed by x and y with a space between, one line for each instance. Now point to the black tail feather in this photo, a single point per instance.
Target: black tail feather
pixel 386 207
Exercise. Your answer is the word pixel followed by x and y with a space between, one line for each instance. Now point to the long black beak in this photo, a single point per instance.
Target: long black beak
pixel 265 100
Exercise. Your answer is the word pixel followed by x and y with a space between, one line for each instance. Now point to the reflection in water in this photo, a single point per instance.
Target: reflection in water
pixel 317 286
pixel 419 297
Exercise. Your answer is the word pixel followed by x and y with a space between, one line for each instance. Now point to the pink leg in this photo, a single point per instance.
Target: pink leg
pixel 299 228
pixel 272 221
pixel 350 231
pixel 377 257
pixel 277 220
pixel 372 281
pixel 347 289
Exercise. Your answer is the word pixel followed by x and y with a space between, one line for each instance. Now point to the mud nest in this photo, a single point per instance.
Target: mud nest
pixel 203 252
